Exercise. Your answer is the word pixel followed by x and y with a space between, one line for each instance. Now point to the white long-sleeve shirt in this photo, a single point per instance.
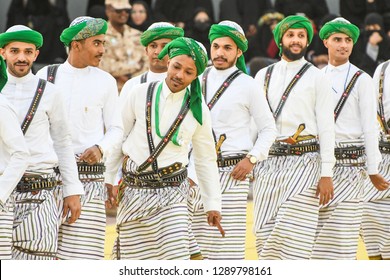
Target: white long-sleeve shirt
pixel 310 102
pixel 135 143
pixel 241 102
pixel 386 89
pixel 92 106
pixel 150 77
pixel 13 150
pixel 48 138
pixel 357 119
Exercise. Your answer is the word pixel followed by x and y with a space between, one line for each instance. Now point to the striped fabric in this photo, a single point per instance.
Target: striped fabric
pixel 6 222
pixel 195 253
pixel 337 234
pixel 153 224
pixel 285 206
pixel 234 202
pixel 35 229
pixel 376 215
pixel 85 238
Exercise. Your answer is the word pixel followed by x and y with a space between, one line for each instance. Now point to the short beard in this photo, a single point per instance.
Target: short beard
pixel 294 56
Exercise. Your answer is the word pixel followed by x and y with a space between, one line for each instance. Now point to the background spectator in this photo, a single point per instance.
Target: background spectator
pixel 199 27
pixel 140 16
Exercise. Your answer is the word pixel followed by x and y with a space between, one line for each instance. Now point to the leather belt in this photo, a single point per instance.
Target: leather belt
pixel 30 183
pixel 229 161
pixel 280 149
pixel 146 180
pixel 384 147
pixel 89 169
pixel 349 152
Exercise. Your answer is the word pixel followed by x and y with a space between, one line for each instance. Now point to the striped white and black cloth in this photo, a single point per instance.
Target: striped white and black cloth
pixel 85 238
pixel 376 215
pixel 234 205
pixel 285 206
pixel 153 223
pixel 6 225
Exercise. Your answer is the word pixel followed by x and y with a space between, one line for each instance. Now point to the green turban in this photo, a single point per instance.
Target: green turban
pixel 83 28
pixel 339 25
pixel 292 22
pixel 161 30
pixel 188 46
pixel 21 33
pixel 231 29
pixel 3 73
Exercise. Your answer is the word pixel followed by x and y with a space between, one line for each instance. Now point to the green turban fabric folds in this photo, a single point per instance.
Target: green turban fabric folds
pixel 188 46
pixel 339 25
pixel 218 31
pixel 3 73
pixel 86 27
pixel 151 35
pixel 27 36
pixel 292 22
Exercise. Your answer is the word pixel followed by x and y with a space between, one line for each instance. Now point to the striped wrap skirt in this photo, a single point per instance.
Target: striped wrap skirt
pixel 339 223
pixel 35 227
pixel 234 204
pixel 6 225
pixel 285 206
pixel 152 223
pixel 376 215
pixel 85 238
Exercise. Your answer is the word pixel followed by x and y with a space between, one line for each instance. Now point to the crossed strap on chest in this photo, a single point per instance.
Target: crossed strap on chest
pixel 34 105
pixel 52 73
pixel 144 78
pixel 156 151
pixel 381 112
pixel 287 91
pixel 345 94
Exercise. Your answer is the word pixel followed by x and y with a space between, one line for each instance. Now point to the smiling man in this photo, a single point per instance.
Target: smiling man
pixel 92 105
pixel 297 177
pixel 41 111
pixel 160 120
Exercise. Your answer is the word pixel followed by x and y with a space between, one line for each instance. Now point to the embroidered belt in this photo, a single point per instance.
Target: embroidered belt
pixel 280 149
pixel 146 180
pixel 89 169
pixel 349 152
pixel 30 183
pixel 384 147
pixel 229 161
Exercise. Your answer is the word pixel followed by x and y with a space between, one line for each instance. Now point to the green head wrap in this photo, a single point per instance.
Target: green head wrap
pixel 21 33
pixel 292 22
pixel 188 46
pixel 3 73
pixel 339 25
pixel 83 28
pixel 161 30
pixel 231 29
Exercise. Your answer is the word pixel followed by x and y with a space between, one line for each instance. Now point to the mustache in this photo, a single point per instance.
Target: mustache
pixel 19 62
pixel 177 80
pixel 220 57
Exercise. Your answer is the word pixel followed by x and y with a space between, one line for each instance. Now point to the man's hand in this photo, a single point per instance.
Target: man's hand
pixel 214 219
pixel 112 192
pixel 325 190
pixel 379 182
pixel 72 203
pixel 91 155
pixel 243 170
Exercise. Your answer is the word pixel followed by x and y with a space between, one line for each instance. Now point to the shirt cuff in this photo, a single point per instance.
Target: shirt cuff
pixel 327 170
pixel 372 169
pixel 75 189
pixel 212 205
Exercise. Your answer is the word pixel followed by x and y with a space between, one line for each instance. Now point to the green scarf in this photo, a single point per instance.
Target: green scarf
pixel 188 46
pixel 339 25
pixel 218 31
pixel 292 22
pixel 26 36
pixel 83 28
pixel 153 34
pixel 3 73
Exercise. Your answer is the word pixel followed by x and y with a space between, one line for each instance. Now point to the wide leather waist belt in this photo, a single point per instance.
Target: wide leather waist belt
pixel 30 183
pixel 89 169
pixel 384 147
pixel 279 149
pixel 349 152
pixel 229 161
pixel 146 180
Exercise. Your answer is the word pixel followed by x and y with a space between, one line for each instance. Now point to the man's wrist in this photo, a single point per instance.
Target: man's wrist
pixel 100 149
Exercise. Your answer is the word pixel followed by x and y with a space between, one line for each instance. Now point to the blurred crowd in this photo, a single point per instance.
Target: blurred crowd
pixel 257 17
